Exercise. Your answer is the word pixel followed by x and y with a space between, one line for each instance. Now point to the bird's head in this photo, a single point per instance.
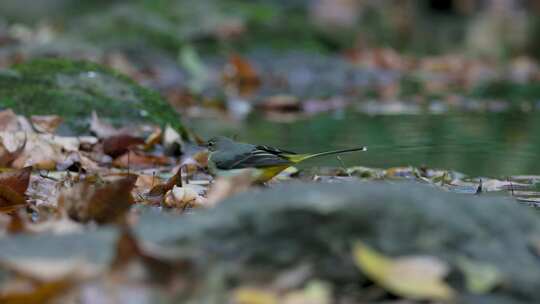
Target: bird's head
pixel 219 143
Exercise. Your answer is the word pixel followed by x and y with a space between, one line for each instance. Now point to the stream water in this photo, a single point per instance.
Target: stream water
pixel 477 144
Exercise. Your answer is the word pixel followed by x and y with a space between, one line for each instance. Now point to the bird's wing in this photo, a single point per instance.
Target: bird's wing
pixel 258 157
pixel 273 150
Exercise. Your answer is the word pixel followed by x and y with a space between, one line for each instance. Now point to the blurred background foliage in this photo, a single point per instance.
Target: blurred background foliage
pixel 494 28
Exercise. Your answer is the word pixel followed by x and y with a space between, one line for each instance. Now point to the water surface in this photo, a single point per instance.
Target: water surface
pixel 478 144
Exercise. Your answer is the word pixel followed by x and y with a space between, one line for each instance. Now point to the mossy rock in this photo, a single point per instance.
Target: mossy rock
pixel 276 229
pixel 73 89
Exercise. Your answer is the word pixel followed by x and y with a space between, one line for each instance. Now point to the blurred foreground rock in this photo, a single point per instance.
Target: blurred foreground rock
pixel 276 229
pixel 256 236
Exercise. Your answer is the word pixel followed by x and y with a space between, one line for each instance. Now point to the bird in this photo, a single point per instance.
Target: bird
pixel 228 157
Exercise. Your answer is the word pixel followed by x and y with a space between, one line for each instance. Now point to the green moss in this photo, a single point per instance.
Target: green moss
pixel 73 89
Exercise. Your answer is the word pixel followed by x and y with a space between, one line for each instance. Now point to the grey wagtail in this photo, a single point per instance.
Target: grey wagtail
pixel 228 157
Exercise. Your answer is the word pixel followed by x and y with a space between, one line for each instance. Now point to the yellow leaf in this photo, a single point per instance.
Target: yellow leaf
pixel 417 278
pixel 480 278
pixel 42 293
pixel 315 292
pixel 249 295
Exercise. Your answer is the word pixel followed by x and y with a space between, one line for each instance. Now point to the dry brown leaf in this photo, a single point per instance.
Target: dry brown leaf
pixel 67 143
pixel 106 203
pixel 224 187
pixel 117 145
pixel 161 189
pixel 240 70
pixel 17 180
pixel 194 162
pixel 146 182
pixel 153 139
pixel 183 198
pixel 135 160
pixel 9 121
pixel 40 151
pixel 13 185
pixel 10 200
pixel 46 123
pixel 8 156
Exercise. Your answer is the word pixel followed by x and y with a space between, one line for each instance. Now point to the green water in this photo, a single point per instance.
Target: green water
pixel 494 145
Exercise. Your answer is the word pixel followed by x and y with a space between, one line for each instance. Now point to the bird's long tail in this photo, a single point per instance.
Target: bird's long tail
pixel 296 158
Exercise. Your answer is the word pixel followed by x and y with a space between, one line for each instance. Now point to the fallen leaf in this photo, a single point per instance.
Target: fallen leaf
pixel 17 180
pixel 146 182
pixel 251 295
pixel 13 185
pixel 10 200
pixel 7 156
pixel 9 121
pixel 136 160
pixel 172 141
pixel 106 203
pixel 240 70
pixel 40 151
pixel 315 292
pixel 281 103
pixel 201 158
pixel 67 143
pixel 50 269
pixel 183 198
pixel 240 73
pixel 480 278
pixel 224 187
pixel 72 162
pixel 43 189
pixel 41 293
pixel 416 277
pixel 117 145
pixel 153 139
pixel 103 129
pixel 194 160
pixel 46 123
pixel 162 189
